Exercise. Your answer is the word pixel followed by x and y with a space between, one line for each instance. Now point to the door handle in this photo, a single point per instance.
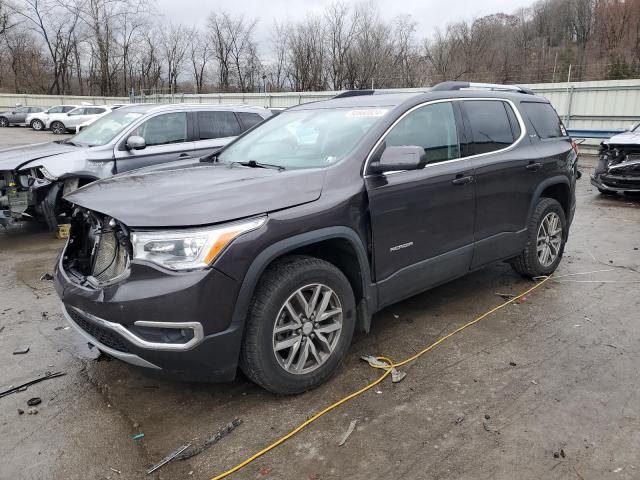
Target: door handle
pixel 462 180
pixel 184 155
pixel 534 166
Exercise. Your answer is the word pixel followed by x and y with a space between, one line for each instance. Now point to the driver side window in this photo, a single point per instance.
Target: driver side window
pixel 432 127
pixel 164 129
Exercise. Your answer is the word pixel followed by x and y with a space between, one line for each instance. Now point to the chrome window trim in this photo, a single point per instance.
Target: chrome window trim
pixel 198 332
pixel 523 133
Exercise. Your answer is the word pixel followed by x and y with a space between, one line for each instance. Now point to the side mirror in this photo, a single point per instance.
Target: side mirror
pixel 400 158
pixel 136 143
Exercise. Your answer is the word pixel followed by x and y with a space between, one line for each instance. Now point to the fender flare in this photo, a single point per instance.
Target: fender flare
pixel 556 180
pixel 282 247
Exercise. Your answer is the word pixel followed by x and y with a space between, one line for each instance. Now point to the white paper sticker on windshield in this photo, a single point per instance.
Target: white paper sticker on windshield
pixel 368 112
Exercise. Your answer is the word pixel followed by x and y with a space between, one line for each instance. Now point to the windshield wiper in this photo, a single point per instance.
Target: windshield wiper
pixel 69 142
pixel 254 164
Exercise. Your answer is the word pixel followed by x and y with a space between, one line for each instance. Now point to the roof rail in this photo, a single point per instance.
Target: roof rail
pixel 354 93
pixel 444 86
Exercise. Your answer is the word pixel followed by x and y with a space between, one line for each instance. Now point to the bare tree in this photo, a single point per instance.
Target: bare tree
pixel 55 22
pixel 200 53
pixel 173 41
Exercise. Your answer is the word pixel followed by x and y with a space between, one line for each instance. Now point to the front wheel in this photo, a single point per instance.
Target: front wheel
pixel 300 325
pixel 547 234
pixel 58 128
pixel 37 125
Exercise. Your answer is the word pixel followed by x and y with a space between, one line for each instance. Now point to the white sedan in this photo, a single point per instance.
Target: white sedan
pixel 67 122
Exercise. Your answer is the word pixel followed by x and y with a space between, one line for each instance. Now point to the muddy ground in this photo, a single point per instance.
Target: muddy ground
pixel 546 388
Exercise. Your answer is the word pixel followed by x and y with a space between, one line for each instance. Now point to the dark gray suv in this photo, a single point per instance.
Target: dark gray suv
pixel 269 254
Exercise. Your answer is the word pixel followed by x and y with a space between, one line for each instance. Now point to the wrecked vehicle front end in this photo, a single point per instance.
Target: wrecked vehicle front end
pixel 27 194
pixel 618 168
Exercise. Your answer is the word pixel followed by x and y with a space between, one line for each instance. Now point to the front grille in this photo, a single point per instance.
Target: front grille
pixel 103 335
pixel 621 182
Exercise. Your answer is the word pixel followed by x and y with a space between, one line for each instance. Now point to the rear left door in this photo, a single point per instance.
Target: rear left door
pixel 508 170
pixel 214 129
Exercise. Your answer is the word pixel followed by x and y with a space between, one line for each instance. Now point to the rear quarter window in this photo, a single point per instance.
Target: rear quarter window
pixel 544 119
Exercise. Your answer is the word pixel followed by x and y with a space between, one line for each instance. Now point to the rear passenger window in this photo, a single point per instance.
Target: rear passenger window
pixel 490 126
pixel 544 119
pixel 432 127
pixel 218 125
pixel 248 119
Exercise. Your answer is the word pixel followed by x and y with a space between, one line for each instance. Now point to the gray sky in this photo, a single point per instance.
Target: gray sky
pixel 429 14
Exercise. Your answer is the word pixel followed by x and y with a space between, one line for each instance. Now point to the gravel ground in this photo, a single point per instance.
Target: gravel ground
pixel 546 388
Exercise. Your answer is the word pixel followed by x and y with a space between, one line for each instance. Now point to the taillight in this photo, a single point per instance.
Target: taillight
pixel 574 145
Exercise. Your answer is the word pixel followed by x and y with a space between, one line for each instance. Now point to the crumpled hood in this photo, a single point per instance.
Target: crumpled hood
pixel 625 138
pixel 198 194
pixel 11 158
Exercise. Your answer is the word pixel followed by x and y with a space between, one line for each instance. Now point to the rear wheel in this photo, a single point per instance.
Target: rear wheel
pixel 4 122
pixel 300 325
pixel 58 128
pixel 547 234
pixel 37 125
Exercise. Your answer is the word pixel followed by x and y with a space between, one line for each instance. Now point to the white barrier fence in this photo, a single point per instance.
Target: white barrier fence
pixel 605 105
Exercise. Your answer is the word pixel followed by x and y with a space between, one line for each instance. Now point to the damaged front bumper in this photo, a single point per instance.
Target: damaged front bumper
pixel 27 194
pixel 176 323
pixel 618 169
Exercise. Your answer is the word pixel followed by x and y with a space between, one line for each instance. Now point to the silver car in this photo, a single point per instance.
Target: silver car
pixel 18 116
pixel 60 123
pixel 34 178
pixel 38 120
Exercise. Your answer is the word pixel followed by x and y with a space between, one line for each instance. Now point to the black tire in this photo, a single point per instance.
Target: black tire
pixel 37 125
pixel 527 263
pixel 4 122
pixel 607 192
pixel 282 279
pixel 58 128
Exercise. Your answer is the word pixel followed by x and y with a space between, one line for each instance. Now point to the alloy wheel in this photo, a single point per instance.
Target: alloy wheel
pixel 57 128
pixel 37 125
pixel 4 122
pixel 307 329
pixel 549 240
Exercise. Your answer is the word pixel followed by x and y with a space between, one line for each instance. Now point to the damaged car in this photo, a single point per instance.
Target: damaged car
pixel 618 168
pixel 34 178
pixel 268 254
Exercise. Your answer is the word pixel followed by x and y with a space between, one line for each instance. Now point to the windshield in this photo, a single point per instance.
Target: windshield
pixel 304 138
pixel 103 130
pixel 56 110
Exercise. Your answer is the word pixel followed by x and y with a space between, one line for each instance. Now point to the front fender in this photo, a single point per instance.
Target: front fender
pixel 268 255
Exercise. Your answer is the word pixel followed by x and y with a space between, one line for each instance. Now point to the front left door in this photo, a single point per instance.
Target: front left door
pixel 422 220
pixel 19 115
pixel 167 140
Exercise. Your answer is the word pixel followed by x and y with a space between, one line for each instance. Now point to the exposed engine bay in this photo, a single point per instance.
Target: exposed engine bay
pixel 32 193
pixel 618 168
pixel 98 250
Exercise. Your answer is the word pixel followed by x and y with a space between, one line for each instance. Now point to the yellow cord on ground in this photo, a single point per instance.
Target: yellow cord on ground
pixel 387 371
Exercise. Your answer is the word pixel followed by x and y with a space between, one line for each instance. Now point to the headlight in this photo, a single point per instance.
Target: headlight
pixel 48 175
pixel 191 248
